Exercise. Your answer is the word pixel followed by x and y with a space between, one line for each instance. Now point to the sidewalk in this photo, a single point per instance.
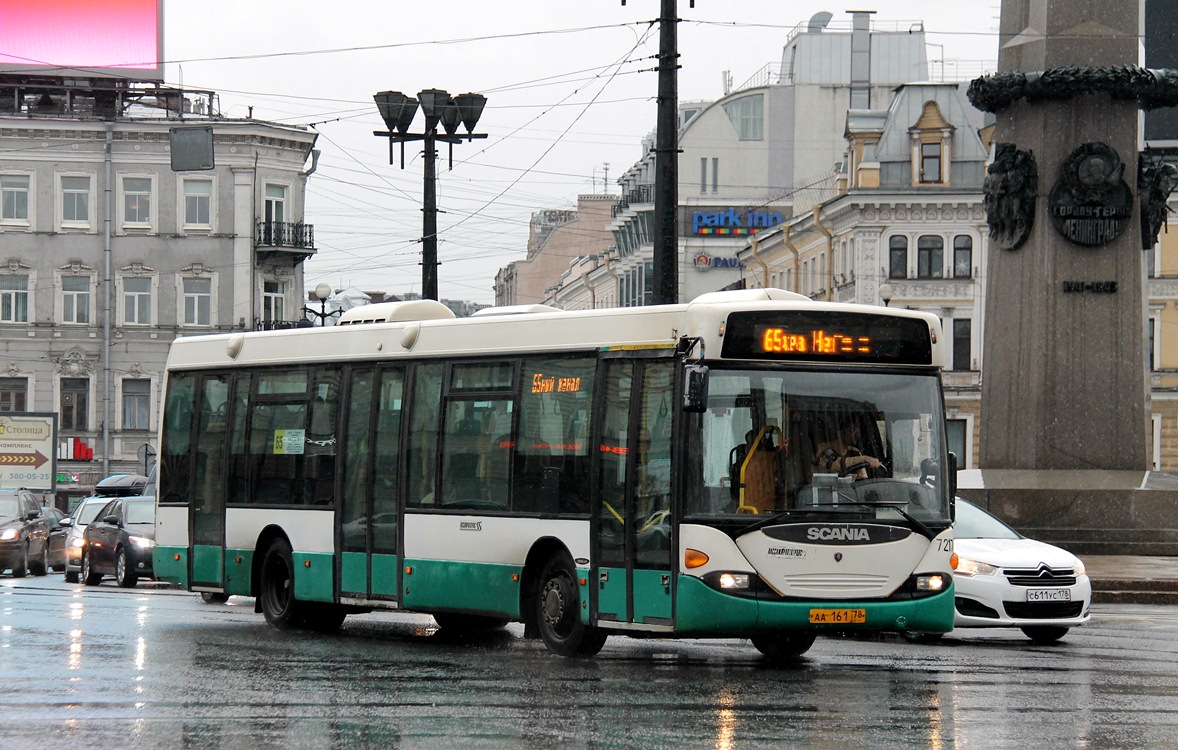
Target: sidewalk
pixel 1129 579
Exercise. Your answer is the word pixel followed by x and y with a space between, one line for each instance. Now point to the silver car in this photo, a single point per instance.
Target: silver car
pixel 76 524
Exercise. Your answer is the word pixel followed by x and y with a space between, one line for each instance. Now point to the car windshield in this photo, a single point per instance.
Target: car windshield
pixel 774 440
pixel 9 507
pixel 89 509
pixel 974 523
pixel 140 512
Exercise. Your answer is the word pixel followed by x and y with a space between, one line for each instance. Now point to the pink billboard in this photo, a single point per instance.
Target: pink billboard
pixel 112 38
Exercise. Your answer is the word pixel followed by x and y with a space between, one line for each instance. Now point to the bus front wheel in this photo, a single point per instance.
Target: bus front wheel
pixel 558 611
pixel 277 587
pixel 784 645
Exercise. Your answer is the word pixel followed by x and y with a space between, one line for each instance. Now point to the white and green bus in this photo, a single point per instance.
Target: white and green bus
pixel 649 471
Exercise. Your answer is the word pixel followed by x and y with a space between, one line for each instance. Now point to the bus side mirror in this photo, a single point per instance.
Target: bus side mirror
pixel 695 389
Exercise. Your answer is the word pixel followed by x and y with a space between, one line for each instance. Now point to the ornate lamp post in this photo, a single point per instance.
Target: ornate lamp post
pixel 398 110
pixel 321 293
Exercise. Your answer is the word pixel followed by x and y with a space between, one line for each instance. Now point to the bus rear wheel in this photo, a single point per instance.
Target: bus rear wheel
pixel 558 611
pixel 784 645
pixel 277 587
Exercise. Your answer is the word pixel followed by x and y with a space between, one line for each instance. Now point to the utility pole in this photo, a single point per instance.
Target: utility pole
pixel 666 160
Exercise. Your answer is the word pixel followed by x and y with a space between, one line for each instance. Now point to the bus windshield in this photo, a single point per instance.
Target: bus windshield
pixel 828 442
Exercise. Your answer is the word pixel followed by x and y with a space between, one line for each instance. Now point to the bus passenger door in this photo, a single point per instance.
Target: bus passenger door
pixel 633 523
pixel 208 484
pixel 368 509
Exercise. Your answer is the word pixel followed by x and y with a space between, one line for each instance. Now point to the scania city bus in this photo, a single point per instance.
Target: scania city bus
pixel 654 471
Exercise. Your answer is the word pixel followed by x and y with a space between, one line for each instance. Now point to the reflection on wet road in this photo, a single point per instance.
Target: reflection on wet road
pixel 154 667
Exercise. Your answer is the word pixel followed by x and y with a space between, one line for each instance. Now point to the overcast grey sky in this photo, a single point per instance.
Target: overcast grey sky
pixel 570 87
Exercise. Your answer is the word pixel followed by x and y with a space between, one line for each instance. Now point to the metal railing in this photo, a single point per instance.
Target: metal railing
pixel 285 234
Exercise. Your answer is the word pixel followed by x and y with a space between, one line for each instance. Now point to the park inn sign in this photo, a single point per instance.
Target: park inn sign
pixel 733 222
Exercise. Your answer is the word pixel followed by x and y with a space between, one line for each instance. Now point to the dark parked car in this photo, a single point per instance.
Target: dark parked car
pixel 116 485
pixel 120 541
pixel 57 534
pixel 24 533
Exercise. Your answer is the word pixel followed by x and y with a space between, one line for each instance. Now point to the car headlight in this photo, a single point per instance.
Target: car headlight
pixel 9 534
pixel 969 568
pixel 77 542
pixel 142 542
pixel 1079 567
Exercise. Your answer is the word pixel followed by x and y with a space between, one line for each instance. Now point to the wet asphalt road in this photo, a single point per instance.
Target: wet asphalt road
pixel 154 667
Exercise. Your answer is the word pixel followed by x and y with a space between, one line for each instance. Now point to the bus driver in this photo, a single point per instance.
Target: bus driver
pixel 842 455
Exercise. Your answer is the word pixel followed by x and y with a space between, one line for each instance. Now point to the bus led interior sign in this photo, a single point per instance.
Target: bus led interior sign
pixel 782 341
pixel 542 383
pixel 828 335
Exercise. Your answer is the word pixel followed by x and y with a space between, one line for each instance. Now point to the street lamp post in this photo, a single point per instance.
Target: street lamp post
pixel 885 293
pixel 321 293
pixel 398 110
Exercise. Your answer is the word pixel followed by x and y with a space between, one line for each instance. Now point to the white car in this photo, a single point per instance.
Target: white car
pixel 1004 580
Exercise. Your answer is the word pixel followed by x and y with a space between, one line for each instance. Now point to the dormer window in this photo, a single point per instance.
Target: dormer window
pixel 932 147
pixel 930 162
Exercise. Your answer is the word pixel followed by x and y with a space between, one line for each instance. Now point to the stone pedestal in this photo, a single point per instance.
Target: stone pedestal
pixel 1064 372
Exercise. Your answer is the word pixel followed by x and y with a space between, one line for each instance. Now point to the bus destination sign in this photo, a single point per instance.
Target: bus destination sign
pixel 817 336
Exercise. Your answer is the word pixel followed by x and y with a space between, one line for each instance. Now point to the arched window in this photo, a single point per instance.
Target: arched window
pixel 898 257
pixel 930 256
pixel 962 256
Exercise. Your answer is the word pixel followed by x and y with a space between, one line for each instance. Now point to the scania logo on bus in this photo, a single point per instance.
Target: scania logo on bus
pixel 470 526
pixel 837 533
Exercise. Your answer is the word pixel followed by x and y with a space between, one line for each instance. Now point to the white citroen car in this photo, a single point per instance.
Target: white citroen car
pixel 1004 580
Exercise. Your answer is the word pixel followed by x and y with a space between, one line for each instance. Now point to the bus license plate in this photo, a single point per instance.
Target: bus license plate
pixel 838 616
pixel 1049 595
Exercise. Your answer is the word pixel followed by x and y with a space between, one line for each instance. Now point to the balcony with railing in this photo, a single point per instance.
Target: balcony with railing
pixel 281 239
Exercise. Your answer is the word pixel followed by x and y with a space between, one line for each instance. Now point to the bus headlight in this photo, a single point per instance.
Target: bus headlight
pixel 734 581
pixel 934 582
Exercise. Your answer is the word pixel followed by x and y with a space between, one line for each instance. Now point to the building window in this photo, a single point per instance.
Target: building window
pixel 929 256
pixel 75 299
pixel 198 196
pixel 14 394
pixel 275 204
pixel 746 116
pixel 137 201
pixel 961 344
pixel 273 299
pixel 14 299
pixel 136 404
pixel 14 198
pixel 1149 344
pixel 962 256
pixel 955 433
pixel 136 301
pixel 75 403
pixel 898 257
pixel 930 162
pixel 715 175
pixel 75 201
pixel 198 302
pixel 703 175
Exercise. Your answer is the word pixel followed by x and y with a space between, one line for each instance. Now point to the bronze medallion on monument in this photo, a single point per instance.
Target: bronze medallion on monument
pixel 1091 204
